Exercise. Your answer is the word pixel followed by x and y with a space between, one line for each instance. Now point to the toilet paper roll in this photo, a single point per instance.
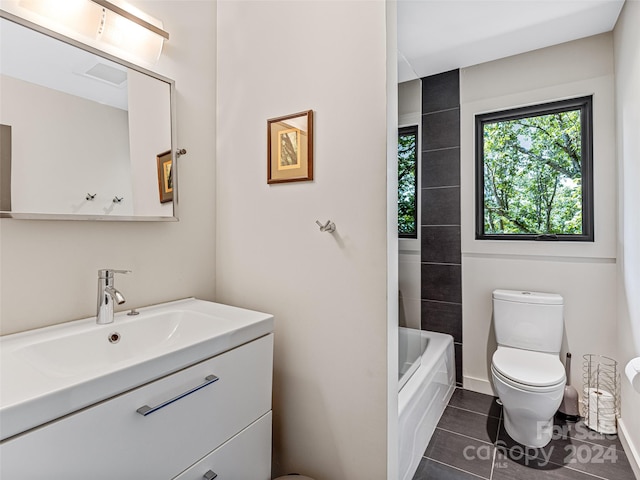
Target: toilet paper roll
pixel 601 416
pixel 632 370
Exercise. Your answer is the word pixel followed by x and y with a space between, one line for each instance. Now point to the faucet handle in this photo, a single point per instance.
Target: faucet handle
pixel 108 272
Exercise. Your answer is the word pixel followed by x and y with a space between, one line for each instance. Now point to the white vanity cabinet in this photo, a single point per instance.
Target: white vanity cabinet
pixel 220 428
pixel 231 462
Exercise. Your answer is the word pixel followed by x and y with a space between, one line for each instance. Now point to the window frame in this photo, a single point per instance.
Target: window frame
pixel 414 130
pixel 585 105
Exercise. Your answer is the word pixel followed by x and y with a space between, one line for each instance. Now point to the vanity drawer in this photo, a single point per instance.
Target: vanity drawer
pixel 113 440
pixel 247 456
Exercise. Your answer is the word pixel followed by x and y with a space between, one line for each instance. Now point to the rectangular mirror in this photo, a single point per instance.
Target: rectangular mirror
pixel 83 135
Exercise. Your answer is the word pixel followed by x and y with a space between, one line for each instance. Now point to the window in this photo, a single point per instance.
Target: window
pixel 407 184
pixel 534 173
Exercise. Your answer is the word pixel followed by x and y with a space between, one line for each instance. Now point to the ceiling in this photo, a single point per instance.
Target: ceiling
pixel 435 36
pixel 42 60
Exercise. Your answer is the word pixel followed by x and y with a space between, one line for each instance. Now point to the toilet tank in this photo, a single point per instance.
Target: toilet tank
pixel 528 320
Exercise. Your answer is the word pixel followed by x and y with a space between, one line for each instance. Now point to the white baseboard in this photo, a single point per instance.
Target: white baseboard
pixel 633 455
pixel 479 385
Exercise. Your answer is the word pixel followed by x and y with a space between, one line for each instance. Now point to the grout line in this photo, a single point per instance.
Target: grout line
pixel 465 436
pixel 440 225
pixel 493 463
pixel 591 442
pixel 581 471
pixel 495 452
pixel 439 149
pixel 441 263
pixel 431 187
pixel 456 468
pixel 440 187
pixel 449 109
pixel 473 411
pixel 564 465
pixel 615 447
pixel 440 301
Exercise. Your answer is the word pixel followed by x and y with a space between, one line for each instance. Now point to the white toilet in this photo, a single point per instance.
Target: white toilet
pixel 526 369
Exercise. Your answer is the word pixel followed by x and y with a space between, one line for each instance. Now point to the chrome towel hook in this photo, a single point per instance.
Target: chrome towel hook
pixel 327 227
pixel 117 199
pixel 90 197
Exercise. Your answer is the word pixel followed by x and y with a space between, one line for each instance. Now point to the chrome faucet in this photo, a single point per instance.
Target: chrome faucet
pixel 107 295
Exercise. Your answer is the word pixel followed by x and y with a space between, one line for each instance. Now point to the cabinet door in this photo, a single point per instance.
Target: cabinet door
pixel 112 440
pixel 247 456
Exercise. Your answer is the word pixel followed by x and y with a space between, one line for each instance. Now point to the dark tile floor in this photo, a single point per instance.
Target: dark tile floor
pixel 470 443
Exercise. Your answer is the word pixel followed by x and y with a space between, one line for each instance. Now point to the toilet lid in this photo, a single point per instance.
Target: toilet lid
pixel 529 368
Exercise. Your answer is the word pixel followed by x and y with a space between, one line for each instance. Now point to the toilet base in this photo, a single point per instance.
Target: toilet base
pixel 529 432
pixel 528 414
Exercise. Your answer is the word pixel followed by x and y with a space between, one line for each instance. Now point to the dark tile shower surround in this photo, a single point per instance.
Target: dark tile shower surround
pixel 470 442
pixel 440 219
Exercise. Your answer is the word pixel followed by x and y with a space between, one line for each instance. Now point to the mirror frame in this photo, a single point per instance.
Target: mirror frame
pixel 174 157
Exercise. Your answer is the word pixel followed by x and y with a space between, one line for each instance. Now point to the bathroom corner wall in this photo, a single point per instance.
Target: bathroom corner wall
pixel 335 319
pixel 441 285
pixel 48 269
pixel 627 68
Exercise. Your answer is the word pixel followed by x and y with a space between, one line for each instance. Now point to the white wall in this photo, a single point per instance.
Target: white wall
pixel 392 277
pixel 150 134
pixel 627 66
pixel 328 292
pixel 71 157
pixel 48 269
pixel 583 273
pixel 409 113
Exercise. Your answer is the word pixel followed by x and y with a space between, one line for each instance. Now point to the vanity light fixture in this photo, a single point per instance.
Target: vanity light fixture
pixel 113 26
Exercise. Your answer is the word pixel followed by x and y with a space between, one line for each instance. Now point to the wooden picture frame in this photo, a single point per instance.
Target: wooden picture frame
pixel 290 148
pixel 165 176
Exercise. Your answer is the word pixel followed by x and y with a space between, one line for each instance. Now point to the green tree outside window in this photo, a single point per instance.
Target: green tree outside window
pixel 407 184
pixel 535 166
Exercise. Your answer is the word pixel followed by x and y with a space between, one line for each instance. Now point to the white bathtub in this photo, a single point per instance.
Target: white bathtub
pixel 425 389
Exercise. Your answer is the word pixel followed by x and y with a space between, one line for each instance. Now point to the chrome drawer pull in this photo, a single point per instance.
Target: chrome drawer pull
pixel 210 475
pixel 147 410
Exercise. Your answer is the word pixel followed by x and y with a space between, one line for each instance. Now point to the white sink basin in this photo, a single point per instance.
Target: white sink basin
pixel 93 349
pixel 53 371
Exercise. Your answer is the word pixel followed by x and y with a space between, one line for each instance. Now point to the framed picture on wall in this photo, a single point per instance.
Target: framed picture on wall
pixel 165 176
pixel 290 148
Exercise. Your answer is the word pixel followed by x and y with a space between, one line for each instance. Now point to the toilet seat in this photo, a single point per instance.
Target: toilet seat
pixel 528 370
pixel 523 387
